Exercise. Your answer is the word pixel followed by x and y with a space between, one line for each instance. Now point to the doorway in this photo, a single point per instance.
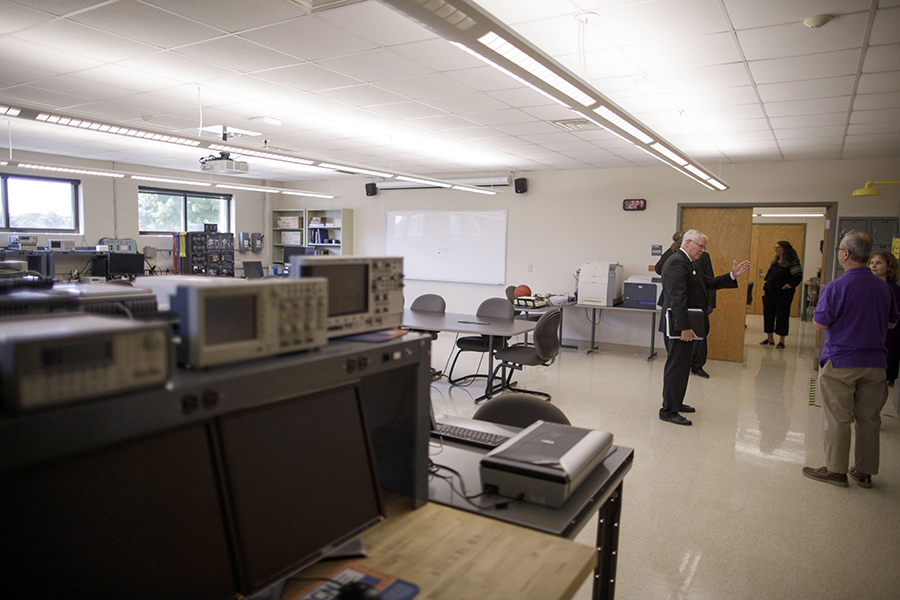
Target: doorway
pixel 762 244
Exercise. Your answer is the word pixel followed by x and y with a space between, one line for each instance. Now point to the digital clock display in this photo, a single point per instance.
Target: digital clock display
pixel 634 204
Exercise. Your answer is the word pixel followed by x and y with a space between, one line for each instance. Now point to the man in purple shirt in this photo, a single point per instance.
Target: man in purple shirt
pixel 856 309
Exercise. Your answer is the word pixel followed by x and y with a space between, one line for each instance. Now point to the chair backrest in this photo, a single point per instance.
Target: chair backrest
pixel 519 410
pixel 429 303
pixel 546 335
pixel 498 308
pixel 511 293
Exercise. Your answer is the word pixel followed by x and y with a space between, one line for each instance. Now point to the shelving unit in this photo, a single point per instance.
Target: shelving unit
pixel 281 235
pixel 330 230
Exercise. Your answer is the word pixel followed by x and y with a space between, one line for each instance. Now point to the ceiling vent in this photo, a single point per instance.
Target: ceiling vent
pixel 314 6
pixel 575 125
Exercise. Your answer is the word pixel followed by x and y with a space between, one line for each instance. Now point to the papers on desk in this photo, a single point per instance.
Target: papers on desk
pixel 347 572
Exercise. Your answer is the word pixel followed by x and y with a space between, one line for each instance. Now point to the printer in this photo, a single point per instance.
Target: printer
pixel 545 463
pixel 600 284
pixel 642 292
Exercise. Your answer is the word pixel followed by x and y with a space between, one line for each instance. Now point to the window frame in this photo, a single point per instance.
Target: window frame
pixel 185 195
pixel 75 186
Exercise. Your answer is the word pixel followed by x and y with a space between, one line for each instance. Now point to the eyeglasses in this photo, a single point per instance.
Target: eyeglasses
pixel 701 246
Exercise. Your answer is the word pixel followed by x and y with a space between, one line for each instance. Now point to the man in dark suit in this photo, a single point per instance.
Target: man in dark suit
pixel 704 265
pixel 685 287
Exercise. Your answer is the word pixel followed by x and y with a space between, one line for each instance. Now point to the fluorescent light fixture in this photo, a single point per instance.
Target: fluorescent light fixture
pixel 622 124
pixel 476 190
pixel 605 128
pixel 248 188
pixel 696 171
pixel 718 184
pixel 669 154
pixel 519 58
pixel 354 170
pixel 175 181
pixel 115 129
pixel 793 215
pixel 510 74
pixel 70 170
pixel 424 181
pixel 3 163
pixel 258 154
pixel 9 110
pixel 310 194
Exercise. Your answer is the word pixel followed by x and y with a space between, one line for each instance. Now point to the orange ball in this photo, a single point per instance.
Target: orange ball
pixel 523 290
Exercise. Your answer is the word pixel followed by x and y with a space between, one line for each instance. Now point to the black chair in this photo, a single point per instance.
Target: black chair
pixel 543 352
pixel 430 303
pixel 496 308
pixel 519 410
pixel 253 269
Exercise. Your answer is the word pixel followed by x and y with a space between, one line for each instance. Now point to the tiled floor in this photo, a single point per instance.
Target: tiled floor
pixel 720 510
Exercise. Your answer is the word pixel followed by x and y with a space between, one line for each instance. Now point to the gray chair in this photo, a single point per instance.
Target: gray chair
pixel 519 410
pixel 543 352
pixel 496 308
pixel 430 303
pixel 511 294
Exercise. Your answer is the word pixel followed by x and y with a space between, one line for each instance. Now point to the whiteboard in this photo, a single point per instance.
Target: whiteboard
pixel 449 245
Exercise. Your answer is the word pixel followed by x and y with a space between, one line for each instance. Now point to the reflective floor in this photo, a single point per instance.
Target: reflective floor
pixel 720 510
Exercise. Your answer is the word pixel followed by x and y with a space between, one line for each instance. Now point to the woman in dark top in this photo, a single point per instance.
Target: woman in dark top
pixel 785 274
pixel 884 265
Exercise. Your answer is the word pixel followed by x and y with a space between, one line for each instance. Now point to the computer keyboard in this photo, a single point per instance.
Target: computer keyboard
pixel 469 436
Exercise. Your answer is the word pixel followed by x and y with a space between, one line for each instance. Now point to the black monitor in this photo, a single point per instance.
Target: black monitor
pixel 125 263
pixel 290 251
pixel 253 269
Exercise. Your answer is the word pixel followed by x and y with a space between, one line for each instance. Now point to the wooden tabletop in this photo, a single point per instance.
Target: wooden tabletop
pixel 455 555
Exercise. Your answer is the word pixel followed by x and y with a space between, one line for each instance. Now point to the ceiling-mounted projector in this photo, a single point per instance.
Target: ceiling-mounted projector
pixel 223 164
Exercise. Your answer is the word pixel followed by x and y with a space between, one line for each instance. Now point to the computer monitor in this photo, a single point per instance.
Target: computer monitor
pixel 125 263
pixel 290 251
pixel 253 269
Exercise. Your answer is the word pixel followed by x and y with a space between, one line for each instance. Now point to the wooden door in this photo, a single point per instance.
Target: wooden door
pixel 729 231
pixel 762 251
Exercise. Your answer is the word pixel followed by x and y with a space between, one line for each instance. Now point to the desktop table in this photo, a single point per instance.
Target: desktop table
pixel 601 492
pixel 595 309
pixel 468 324
pixel 453 554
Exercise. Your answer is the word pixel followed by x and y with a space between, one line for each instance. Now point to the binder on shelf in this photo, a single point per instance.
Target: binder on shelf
pixel 696 319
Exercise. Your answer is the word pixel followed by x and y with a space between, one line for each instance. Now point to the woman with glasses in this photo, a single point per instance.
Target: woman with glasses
pixel 885 266
pixel 784 275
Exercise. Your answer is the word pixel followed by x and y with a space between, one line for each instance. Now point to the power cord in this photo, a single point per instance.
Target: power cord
pixel 434 470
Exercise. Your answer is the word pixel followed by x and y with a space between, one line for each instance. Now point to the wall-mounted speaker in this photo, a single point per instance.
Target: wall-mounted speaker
pixel 371 189
pixel 521 185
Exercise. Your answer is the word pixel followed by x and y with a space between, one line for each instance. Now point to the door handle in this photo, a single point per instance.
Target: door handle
pixel 760 273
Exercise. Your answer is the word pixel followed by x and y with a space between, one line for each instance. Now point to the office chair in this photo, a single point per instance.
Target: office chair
pixel 519 410
pixel 511 294
pixel 543 352
pixel 496 308
pixel 430 303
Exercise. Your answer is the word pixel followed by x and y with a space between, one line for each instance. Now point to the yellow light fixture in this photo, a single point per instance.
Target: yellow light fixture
pixel 870 191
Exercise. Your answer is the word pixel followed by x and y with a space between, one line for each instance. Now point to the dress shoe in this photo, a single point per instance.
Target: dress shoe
pixel 862 480
pixel 824 475
pixel 687 409
pixel 674 418
pixel 700 373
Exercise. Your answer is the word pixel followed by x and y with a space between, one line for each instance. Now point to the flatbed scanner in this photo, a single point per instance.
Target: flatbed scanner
pixel 544 463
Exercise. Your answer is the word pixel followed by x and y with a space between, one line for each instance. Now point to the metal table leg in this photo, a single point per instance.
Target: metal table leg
pixel 607 547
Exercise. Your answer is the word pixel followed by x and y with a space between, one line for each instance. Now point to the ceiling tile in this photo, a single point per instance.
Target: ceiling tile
pixel 308 38
pixel 68 84
pixel 522 97
pixel 873 83
pixel 437 54
pixel 425 87
pixel 885 27
pixel 746 15
pixel 239 16
pixel 128 18
pixel 875 116
pixel 819 142
pixel 799 122
pixel 467 103
pixel 484 79
pixel 15 74
pixel 455 124
pixel 308 77
pixel 722 127
pixel 599 64
pixel 809 132
pixel 177 66
pixel 700 51
pixel 796 39
pixel 715 97
pixel 124 77
pixel 42 58
pixel 500 117
pixel 549 112
pixel 741 111
pixel 702 78
pixel 812 88
pixel 882 58
pixel 812 66
pixel 655 20
pixel 514 12
pixel 236 53
pixel 563 35
pixel 248 86
pixel 73 38
pixel 876 101
pixel 409 111
pixel 376 22
pixel 45 99
pixel 363 95
pixel 16 17
pixel 643 104
pixel 525 130
pixel 374 65
pixel 625 86
pixel 875 138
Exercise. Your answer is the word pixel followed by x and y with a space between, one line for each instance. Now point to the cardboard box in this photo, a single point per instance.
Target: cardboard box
pixel 292 238
pixel 287 222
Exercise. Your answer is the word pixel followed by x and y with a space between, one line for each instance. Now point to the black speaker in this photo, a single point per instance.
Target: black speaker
pixel 521 185
pixel 371 189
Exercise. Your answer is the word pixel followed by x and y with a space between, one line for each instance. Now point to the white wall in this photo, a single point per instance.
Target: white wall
pixel 566 218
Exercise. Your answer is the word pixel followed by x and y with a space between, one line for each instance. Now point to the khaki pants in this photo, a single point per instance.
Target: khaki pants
pixel 851 394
